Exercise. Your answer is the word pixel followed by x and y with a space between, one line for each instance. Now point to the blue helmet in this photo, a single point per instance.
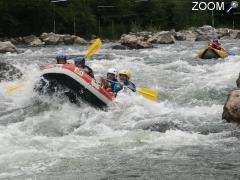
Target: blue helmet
pixel 80 61
pixel 61 57
pixel 215 40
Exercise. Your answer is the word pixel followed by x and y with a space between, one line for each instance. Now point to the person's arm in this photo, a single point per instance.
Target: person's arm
pixel 132 86
pixel 89 71
pixel 103 82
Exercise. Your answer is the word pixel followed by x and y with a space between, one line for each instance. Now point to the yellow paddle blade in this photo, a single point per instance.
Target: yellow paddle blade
pixel 148 93
pixel 93 48
pixel 14 88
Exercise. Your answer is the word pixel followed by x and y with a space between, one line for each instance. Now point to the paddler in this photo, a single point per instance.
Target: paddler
pixel 80 63
pixel 124 81
pixel 215 44
pixel 111 80
pixel 61 59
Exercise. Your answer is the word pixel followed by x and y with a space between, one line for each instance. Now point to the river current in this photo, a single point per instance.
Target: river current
pixel 181 136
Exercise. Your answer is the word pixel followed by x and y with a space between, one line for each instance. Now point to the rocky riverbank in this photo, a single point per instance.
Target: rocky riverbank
pixel 147 39
pixel 132 40
pixel 8 44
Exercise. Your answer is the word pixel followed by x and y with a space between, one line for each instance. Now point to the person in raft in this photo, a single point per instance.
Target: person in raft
pixel 61 59
pixel 80 63
pixel 110 81
pixel 215 44
pixel 124 81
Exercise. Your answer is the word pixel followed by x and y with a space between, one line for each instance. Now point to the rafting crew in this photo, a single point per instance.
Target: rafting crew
pixel 111 84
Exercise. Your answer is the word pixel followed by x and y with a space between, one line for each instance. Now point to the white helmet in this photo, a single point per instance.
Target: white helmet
pixel 113 71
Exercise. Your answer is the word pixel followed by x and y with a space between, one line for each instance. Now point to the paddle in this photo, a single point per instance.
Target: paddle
pixel 91 51
pixel 150 94
pixel 12 89
pixel 93 48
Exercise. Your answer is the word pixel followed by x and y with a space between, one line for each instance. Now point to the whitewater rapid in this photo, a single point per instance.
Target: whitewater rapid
pixel 181 136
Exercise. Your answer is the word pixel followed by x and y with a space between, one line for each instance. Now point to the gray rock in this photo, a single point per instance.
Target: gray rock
pixel 44 36
pixel 29 39
pixel 14 41
pixel 69 39
pixel 231 110
pixel 190 36
pixel 8 72
pixel 134 42
pixel 205 32
pixel 202 37
pixel 37 42
pixel 52 39
pixel 180 36
pixel 79 41
pixel 163 37
pixel 7 47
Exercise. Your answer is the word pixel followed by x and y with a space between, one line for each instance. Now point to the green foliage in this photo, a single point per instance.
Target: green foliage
pixel 105 18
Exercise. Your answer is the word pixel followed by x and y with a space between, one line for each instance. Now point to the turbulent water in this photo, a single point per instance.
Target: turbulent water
pixel 181 136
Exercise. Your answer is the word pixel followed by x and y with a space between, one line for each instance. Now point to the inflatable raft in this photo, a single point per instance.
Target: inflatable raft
pixel 211 53
pixel 79 83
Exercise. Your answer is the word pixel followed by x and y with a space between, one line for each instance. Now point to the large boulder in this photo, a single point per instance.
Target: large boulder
pixel 29 39
pixel 44 36
pixel 205 32
pixel 206 29
pixel 37 42
pixel 68 39
pixel 7 47
pixel 163 37
pixel 52 38
pixel 190 35
pixel 16 41
pixel 8 72
pixel 180 36
pixel 32 40
pixel 134 42
pixel 231 110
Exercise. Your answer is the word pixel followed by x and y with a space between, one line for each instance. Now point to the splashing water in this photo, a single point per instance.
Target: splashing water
pixel 181 136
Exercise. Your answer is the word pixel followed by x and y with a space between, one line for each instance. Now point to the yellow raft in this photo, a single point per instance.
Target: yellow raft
pixel 211 53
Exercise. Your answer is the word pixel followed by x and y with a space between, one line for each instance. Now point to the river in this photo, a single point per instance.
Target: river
pixel 181 136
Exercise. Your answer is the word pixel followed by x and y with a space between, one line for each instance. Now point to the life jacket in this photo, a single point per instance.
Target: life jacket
pixel 118 86
pixel 111 84
pixel 216 46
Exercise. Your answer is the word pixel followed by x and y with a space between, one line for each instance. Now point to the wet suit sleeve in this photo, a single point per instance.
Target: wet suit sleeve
pixel 130 85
